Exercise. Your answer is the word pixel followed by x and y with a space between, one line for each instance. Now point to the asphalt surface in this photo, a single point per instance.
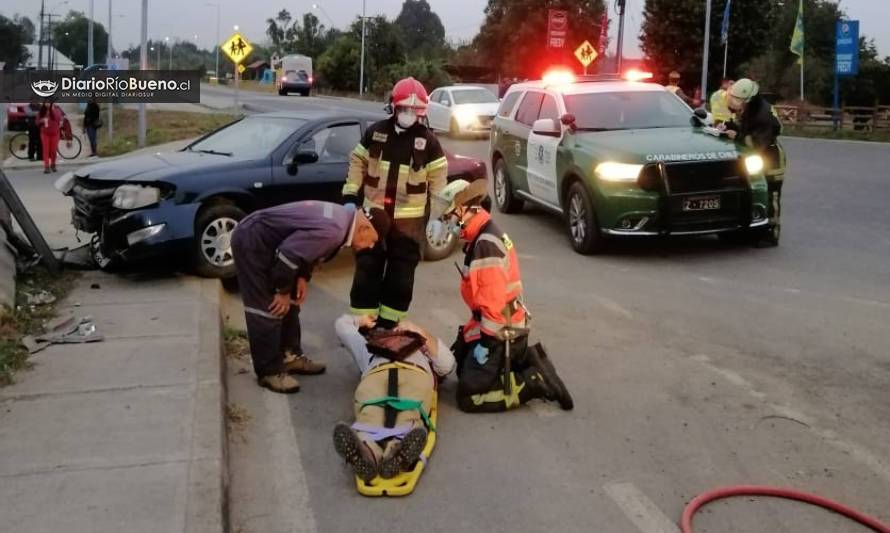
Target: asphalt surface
pixel 693 364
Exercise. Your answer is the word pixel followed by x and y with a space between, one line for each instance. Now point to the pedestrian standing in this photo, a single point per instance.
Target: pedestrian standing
pixel 50 121
pixel 395 167
pixel 34 148
pixel 91 124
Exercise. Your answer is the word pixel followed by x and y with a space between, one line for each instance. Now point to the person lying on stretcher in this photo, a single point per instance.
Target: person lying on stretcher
pixel 400 370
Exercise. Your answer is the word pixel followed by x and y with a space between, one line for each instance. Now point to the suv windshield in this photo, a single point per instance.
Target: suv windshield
pixel 627 110
pixel 250 138
pixel 474 96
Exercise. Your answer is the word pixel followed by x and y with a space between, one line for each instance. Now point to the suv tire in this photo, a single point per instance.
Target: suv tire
pixel 504 197
pixel 581 223
pixel 212 248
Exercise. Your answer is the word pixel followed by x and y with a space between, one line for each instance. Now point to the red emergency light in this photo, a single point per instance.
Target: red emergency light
pixel 637 75
pixel 558 77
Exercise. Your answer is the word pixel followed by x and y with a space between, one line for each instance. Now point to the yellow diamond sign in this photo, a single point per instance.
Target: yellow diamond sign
pixel 237 48
pixel 241 69
pixel 586 53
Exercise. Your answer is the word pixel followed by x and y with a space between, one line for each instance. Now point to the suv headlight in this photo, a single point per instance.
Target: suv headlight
pixel 754 164
pixel 618 172
pixel 135 196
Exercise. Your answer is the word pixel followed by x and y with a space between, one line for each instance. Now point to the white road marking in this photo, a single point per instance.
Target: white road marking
pixel 289 486
pixel 639 509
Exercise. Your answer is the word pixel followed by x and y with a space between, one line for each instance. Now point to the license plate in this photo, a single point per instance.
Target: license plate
pixel 701 203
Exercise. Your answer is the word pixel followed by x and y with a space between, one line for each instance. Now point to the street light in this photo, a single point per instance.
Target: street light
pixel 323 12
pixel 169 47
pixel 217 37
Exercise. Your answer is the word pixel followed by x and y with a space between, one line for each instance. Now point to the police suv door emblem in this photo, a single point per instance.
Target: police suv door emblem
pixel 518 149
pixel 419 143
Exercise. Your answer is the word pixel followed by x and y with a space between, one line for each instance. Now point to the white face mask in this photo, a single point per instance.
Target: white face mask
pixel 406 118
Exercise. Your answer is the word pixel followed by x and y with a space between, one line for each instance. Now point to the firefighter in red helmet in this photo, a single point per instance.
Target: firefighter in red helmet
pixel 395 167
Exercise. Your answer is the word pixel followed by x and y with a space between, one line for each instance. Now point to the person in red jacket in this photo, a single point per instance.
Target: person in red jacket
pixel 49 120
pixel 490 379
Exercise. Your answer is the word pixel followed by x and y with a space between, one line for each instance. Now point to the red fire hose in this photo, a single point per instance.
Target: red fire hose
pixel 788 494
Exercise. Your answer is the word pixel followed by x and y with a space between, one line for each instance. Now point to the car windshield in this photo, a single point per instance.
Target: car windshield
pixel 474 96
pixel 251 138
pixel 627 110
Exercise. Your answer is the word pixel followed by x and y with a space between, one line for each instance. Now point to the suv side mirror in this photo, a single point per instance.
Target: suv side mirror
pixel 700 117
pixel 547 127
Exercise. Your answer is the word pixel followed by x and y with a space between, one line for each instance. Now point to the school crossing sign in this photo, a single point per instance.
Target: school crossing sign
pixel 237 48
pixel 586 53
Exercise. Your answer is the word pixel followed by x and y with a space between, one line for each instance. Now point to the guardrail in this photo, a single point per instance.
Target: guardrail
pixel 849 118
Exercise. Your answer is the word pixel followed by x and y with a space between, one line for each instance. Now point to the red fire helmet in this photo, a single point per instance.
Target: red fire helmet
pixel 410 93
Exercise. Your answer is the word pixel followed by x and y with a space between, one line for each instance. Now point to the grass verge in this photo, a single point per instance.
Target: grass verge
pixel 829 133
pixel 163 127
pixel 26 319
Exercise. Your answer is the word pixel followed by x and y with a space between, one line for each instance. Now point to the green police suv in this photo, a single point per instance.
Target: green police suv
pixel 621 158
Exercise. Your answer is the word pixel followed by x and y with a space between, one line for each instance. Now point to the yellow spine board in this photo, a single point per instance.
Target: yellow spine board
pixel 404 483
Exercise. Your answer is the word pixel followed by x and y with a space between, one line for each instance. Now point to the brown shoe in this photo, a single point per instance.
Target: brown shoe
pixel 401 456
pixel 282 383
pixel 300 364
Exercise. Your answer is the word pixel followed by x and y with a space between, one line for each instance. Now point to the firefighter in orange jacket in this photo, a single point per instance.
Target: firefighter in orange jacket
pixel 395 167
pixel 490 379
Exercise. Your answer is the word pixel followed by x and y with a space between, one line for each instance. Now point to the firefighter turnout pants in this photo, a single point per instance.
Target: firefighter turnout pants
pixel 384 275
pixel 480 387
pixel 269 336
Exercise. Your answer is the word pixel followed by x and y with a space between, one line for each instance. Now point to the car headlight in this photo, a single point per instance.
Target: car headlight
pixel 65 183
pixel 754 164
pixel 135 196
pixel 465 116
pixel 618 172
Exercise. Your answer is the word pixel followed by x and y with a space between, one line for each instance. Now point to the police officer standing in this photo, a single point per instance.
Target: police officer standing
pixel 756 126
pixel 397 164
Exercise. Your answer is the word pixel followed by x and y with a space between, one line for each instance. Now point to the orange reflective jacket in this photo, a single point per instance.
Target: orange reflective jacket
pixel 490 285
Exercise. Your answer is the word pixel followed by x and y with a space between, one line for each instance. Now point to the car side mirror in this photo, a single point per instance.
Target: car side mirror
pixel 547 127
pixel 699 117
pixel 306 157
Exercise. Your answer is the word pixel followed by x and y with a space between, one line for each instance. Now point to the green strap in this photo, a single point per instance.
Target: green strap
pixel 402 404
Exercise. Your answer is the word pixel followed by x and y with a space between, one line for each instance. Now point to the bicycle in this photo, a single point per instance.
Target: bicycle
pixel 69 148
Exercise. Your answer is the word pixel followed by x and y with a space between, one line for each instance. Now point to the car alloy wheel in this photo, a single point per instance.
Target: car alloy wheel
pixel 500 186
pixel 577 219
pixel 216 242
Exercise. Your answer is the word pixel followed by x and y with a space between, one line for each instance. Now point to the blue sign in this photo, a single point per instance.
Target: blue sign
pixel 847 48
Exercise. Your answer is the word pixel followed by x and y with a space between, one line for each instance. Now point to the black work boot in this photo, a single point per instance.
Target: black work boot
pixel 557 390
pixel 353 450
pixel 402 457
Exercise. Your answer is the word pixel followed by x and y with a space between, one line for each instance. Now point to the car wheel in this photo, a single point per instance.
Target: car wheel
pixel 305 93
pixel 581 223
pixel 282 92
pixel 504 196
pixel 454 129
pixel 213 240
pixel 436 250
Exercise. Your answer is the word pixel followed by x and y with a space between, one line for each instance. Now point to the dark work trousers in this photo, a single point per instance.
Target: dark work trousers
pixel 269 335
pixel 91 135
pixel 34 149
pixel 480 387
pixel 384 278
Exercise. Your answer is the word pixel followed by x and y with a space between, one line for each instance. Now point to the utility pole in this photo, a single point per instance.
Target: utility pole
pixel 90 58
pixel 143 65
pixel 40 39
pixel 108 60
pixel 620 50
pixel 704 64
pixel 361 75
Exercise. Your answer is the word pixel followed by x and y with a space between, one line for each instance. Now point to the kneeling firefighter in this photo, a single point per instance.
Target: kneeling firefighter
pixel 400 369
pixel 497 369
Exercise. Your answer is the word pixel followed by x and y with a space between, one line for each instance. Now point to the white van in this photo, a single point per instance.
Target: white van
pixel 295 75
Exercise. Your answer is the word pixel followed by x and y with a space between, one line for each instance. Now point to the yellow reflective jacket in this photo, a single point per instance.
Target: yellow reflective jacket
pixel 720 106
pixel 395 171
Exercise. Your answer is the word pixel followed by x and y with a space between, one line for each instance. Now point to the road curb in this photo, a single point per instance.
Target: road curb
pixel 208 478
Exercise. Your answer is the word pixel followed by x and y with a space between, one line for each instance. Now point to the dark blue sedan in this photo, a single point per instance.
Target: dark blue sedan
pixel 187 203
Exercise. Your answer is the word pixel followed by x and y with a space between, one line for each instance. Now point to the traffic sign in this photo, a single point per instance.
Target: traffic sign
pixel 557 28
pixel 586 53
pixel 237 48
pixel 241 69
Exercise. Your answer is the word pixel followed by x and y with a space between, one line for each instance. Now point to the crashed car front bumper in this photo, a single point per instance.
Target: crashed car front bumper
pixel 164 230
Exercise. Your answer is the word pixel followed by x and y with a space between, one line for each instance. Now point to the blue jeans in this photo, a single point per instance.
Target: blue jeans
pixel 91 134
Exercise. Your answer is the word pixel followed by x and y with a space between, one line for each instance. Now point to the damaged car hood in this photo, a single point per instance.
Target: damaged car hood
pixel 153 167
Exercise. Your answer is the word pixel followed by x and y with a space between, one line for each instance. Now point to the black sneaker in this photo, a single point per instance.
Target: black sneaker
pixel 558 392
pixel 349 447
pixel 407 453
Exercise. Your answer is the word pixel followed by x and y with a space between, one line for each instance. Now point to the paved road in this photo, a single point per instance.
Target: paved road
pixel 693 364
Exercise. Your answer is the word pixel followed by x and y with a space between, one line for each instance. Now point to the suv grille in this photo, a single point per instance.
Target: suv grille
pixel 704 177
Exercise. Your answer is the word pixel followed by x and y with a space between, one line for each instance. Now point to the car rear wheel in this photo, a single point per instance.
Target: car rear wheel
pixel 581 222
pixel 438 249
pixel 282 92
pixel 504 196
pixel 213 240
